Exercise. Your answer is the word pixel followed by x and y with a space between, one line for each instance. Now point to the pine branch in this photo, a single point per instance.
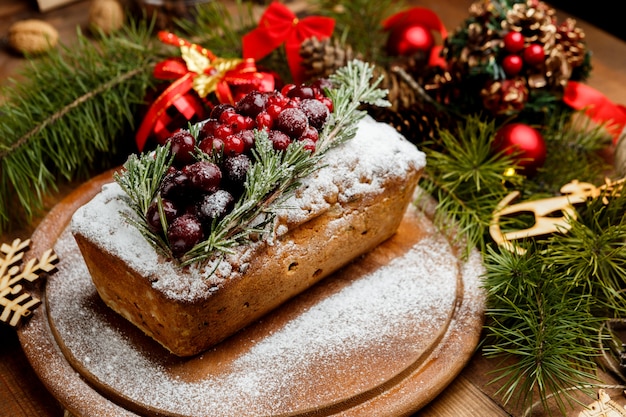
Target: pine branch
pixel 467 179
pixel 550 332
pixel 68 110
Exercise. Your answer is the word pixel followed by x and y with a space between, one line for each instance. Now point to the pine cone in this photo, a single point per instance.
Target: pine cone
pixel 535 20
pixel 322 58
pixel 571 42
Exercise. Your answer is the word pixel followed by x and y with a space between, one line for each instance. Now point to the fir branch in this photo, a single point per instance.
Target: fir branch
pixel 549 332
pixel 68 108
pixel 467 179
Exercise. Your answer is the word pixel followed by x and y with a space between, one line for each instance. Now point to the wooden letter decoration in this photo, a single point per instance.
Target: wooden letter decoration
pixel 604 407
pixel 544 211
pixel 15 302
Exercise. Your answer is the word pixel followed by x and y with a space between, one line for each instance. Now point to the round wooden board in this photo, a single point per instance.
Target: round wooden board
pixel 345 347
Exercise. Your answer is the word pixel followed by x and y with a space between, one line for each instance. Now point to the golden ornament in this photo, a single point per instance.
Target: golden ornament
pixel 15 302
pixel 32 36
pixel 546 212
pixel 106 15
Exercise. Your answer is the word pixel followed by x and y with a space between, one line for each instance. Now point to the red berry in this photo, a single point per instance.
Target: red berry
pixel 204 176
pixel 534 54
pixel 287 88
pixel 514 42
pixel 223 131
pixel 182 145
pixel 264 121
pixel 274 110
pixel 309 145
pixel 233 145
pixel 247 137
pixel 208 129
pixel 311 134
pixel 328 103
pixel 512 64
pixel 184 233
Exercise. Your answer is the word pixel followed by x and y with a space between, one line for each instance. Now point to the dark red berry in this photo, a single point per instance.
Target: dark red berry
pixel 292 121
pixel 301 92
pixel 204 176
pixel 280 140
pixel 211 145
pixel 182 146
pixel 184 233
pixel 287 88
pixel 215 206
pixel 252 104
pixel 207 129
pixel 174 186
pixel 316 112
pixel 236 169
pixel 153 216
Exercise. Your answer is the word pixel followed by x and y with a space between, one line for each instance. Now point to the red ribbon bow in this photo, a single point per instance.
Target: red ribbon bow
pixel 201 71
pixel 426 18
pixel 279 25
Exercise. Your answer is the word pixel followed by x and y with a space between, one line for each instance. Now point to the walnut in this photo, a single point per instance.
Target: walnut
pixel 106 15
pixel 32 36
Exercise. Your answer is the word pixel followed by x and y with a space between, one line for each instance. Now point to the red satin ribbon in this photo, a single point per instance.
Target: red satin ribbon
pixel 280 25
pixel 596 106
pixel 426 18
pixel 232 85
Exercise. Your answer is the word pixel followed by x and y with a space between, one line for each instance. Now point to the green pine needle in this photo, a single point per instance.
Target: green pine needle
pixel 66 112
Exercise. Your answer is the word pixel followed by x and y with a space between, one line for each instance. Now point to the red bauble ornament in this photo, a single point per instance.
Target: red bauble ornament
pixel 534 54
pixel 409 39
pixel 514 42
pixel 512 64
pixel 524 142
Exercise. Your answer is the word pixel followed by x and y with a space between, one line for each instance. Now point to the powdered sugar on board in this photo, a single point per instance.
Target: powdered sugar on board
pixel 350 335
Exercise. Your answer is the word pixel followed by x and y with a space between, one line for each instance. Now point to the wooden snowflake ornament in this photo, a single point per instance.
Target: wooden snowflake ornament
pixel 604 407
pixel 15 302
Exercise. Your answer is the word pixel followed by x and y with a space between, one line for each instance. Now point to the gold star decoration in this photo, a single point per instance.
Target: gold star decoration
pixel 15 301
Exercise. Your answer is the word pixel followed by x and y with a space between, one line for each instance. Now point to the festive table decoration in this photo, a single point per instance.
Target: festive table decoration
pixel 16 303
pixel 511 63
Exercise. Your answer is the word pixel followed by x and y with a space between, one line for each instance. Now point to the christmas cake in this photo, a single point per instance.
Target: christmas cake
pixel 352 201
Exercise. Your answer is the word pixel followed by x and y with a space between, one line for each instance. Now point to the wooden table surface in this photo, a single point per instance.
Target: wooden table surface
pixel 23 395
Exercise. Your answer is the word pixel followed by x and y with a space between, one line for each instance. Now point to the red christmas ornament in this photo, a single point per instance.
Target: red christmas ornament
pixel 512 65
pixel 409 39
pixel 524 142
pixel 534 54
pixel 514 42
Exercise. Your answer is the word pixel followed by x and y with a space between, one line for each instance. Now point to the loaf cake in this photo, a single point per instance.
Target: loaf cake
pixel 354 200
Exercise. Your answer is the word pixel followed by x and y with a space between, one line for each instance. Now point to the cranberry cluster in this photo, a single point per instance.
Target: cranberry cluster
pixel 198 191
